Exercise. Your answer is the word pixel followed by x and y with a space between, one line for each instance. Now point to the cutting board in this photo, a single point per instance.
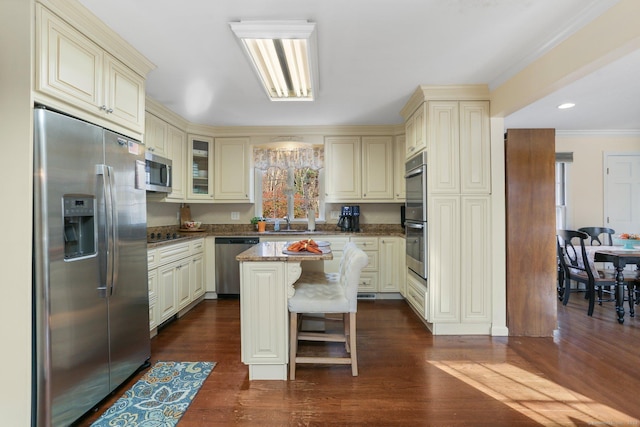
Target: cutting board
pixel 185 214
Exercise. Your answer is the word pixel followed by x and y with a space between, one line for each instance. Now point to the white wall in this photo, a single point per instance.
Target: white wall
pixel 586 174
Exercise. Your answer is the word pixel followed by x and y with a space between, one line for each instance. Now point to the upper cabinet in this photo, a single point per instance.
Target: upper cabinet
pixel 200 168
pixel 459 147
pixel 415 131
pixel 232 183
pixel 74 72
pixel 359 168
pixel 343 168
pixel 399 151
pixel 156 133
pixel 377 168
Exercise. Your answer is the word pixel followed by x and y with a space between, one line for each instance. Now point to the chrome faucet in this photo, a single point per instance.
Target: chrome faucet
pixel 286 218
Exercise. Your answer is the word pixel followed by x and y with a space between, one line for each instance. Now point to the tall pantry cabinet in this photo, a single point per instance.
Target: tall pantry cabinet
pixel 451 123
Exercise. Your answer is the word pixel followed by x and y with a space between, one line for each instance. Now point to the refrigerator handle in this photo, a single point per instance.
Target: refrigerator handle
pixel 115 247
pixel 105 172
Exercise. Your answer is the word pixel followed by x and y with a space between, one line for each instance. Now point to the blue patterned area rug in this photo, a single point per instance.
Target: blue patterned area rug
pixel 159 398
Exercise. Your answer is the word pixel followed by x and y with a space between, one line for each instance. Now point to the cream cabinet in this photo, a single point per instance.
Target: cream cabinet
pixel 153 298
pixel 232 182
pixel 415 131
pixel 156 133
pixel 176 277
pixel 200 168
pixel 377 168
pixel 399 193
pixel 359 169
pixel 164 139
pixel 73 69
pixel 392 264
pixel 459 147
pixel 343 168
pixel 457 296
pixel 177 147
pixel 369 277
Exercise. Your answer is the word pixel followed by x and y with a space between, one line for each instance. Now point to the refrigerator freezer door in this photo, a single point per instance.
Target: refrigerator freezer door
pixel 71 326
pixel 129 296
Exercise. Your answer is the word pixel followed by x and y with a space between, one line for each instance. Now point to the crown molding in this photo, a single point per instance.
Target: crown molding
pixel 83 20
pixel 599 132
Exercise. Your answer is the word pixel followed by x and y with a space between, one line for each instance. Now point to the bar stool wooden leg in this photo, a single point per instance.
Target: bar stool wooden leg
pixel 293 344
pixel 352 341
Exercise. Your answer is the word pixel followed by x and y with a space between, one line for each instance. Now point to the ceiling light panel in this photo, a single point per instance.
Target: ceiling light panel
pixel 284 56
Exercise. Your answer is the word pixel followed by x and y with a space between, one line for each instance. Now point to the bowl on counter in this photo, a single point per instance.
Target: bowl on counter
pixel 191 225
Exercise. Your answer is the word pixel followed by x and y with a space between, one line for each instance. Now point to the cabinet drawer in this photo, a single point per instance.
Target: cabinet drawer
pixel 337 243
pixel 152 258
pixel 173 252
pixel 197 246
pixel 368 282
pixel 373 261
pixel 366 243
pixel 416 295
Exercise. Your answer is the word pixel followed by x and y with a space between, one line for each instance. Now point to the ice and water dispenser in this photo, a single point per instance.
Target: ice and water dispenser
pixel 79 226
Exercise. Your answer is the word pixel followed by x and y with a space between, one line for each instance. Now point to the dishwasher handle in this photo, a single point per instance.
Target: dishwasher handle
pixel 237 240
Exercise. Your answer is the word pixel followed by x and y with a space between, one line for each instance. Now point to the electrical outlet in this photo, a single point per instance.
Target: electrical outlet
pixel 335 214
pixel 235 215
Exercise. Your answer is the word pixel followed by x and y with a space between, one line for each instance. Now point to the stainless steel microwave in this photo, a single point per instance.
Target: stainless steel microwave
pixel 158 173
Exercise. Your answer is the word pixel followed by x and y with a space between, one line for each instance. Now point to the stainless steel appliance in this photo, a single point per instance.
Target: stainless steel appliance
pixel 416 214
pixel 91 306
pixel 227 268
pixel 158 173
pixel 349 218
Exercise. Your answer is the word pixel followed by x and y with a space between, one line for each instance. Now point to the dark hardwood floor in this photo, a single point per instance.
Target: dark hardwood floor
pixel 587 374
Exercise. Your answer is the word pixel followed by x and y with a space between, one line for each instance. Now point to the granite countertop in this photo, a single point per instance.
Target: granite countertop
pixel 273 251
pixel 247 231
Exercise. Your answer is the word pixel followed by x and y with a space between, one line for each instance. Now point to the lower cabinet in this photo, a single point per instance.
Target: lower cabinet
pixel 176 279
pixel 386 269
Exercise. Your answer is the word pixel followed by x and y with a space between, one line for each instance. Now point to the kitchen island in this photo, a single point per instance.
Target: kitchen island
pixel 267 276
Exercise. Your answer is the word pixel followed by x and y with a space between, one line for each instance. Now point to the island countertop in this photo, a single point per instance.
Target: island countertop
pixel 273 251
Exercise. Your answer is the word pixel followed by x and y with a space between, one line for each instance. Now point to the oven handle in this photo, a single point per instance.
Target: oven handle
pixel 414 172
pixel 413 225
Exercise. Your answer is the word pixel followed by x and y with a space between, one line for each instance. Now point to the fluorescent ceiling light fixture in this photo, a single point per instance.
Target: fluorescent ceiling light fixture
pixel 566 105
pixel 284 55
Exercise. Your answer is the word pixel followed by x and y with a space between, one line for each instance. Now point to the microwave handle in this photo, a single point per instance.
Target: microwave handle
pixel 414 172
pixel 414 225
pixel 166 178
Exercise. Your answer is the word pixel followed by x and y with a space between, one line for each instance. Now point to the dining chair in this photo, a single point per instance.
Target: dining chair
pixel 596 232
pixel 576 265
pixel 327 294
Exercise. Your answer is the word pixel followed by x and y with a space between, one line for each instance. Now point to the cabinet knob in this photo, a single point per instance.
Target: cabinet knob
pixel 103 107
pixel 110 110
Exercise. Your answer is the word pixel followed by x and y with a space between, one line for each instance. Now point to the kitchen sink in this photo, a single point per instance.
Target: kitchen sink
pixel 289 232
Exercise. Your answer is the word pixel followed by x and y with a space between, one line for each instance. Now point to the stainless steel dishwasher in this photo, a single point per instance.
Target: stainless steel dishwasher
pixel 227 268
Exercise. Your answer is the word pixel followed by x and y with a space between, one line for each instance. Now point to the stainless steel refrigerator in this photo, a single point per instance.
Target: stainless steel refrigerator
pixel 91 307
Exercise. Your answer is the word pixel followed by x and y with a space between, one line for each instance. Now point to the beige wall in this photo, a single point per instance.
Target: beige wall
pixel 160 213
pixel 586 174
pixel 15 250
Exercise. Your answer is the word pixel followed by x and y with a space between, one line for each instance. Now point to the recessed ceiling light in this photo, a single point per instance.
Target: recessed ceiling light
pixel 566 105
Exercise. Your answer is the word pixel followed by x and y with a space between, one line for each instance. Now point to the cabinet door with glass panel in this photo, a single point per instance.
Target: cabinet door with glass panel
pixel 200 167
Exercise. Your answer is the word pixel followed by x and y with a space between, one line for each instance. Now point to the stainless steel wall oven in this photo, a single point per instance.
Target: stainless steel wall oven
pixel 416 214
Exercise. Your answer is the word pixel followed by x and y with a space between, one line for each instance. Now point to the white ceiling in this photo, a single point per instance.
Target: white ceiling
pixel 372 56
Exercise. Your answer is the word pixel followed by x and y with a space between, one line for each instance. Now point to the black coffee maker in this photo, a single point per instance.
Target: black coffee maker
pixel 349 218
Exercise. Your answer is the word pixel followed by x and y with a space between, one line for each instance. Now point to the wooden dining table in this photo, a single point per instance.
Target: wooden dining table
pixel 620 258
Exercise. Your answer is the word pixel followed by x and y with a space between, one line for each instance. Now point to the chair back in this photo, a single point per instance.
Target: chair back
pixel 572 253
pixel 353 261
pixel 595 233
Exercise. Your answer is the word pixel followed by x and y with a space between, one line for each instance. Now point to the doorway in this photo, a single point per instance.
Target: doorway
pixel 622 192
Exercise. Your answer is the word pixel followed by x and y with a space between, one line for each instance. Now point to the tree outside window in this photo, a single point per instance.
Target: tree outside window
pixel 290 181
